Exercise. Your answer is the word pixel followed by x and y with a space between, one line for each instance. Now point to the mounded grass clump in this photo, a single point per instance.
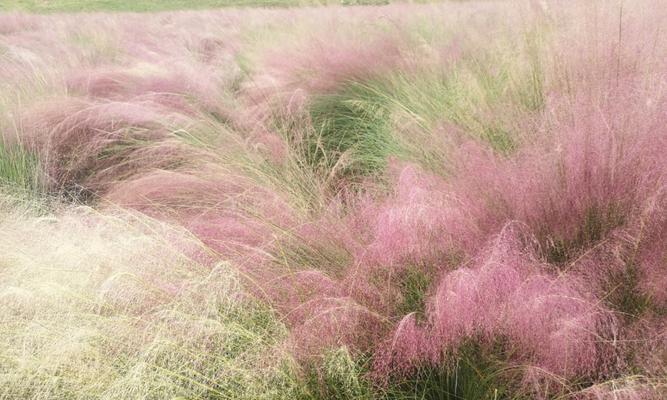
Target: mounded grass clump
pixel 351 132
pixel 352 110
pixel 19 168
pixel 477 373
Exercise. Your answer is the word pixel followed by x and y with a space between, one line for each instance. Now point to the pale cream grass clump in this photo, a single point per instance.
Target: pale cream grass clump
pixel 97 306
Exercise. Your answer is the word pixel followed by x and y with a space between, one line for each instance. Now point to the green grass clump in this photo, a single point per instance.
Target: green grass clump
pixel 478 372
pixel 339 377
pixel 624 293
pixel 414 284
pixel 19 168
pixel 351 132
pixel 482 96
pixel 472 96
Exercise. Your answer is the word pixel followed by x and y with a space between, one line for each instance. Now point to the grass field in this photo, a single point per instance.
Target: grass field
pixel 457 200
pixel 50 6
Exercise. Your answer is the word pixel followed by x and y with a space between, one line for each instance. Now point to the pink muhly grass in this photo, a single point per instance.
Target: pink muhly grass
pixel 321 65
pixel 290 78
pixel 423 222
pixel 224 209
pixel 333 322
pixel 599 191
pixel 430 221
pixel 251 226
pixel 548 321
pixel 14 23
pixel 174 90
pixel 577 170
pixel 91 145
pixel 580 199
pixel 325 64
pixel 273 147
pixel 11 23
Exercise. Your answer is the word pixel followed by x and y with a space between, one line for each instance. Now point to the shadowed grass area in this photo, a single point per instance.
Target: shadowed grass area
pixel 596 223
pixel 478 374
pixel 414 286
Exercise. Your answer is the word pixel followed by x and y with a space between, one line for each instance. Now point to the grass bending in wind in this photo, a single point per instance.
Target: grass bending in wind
pixel 483 95
pixel 85 317
pixel 449 201
pixel 351 132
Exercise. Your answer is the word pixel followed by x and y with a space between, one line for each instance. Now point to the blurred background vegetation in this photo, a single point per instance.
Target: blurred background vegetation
pixel 46 6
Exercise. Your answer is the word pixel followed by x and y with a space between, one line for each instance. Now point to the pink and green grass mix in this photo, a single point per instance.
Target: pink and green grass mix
pixel 462 200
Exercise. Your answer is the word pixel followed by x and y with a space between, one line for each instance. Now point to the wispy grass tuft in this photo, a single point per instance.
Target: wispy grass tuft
pixel 351 134
pixel 130 318
pixel 19 168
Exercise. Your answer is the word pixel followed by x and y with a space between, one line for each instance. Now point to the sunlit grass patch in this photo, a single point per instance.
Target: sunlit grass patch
pixel 129 318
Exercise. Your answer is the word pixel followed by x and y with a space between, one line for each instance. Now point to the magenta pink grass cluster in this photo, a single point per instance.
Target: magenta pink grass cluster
pixel 549 321
pixel 552 250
